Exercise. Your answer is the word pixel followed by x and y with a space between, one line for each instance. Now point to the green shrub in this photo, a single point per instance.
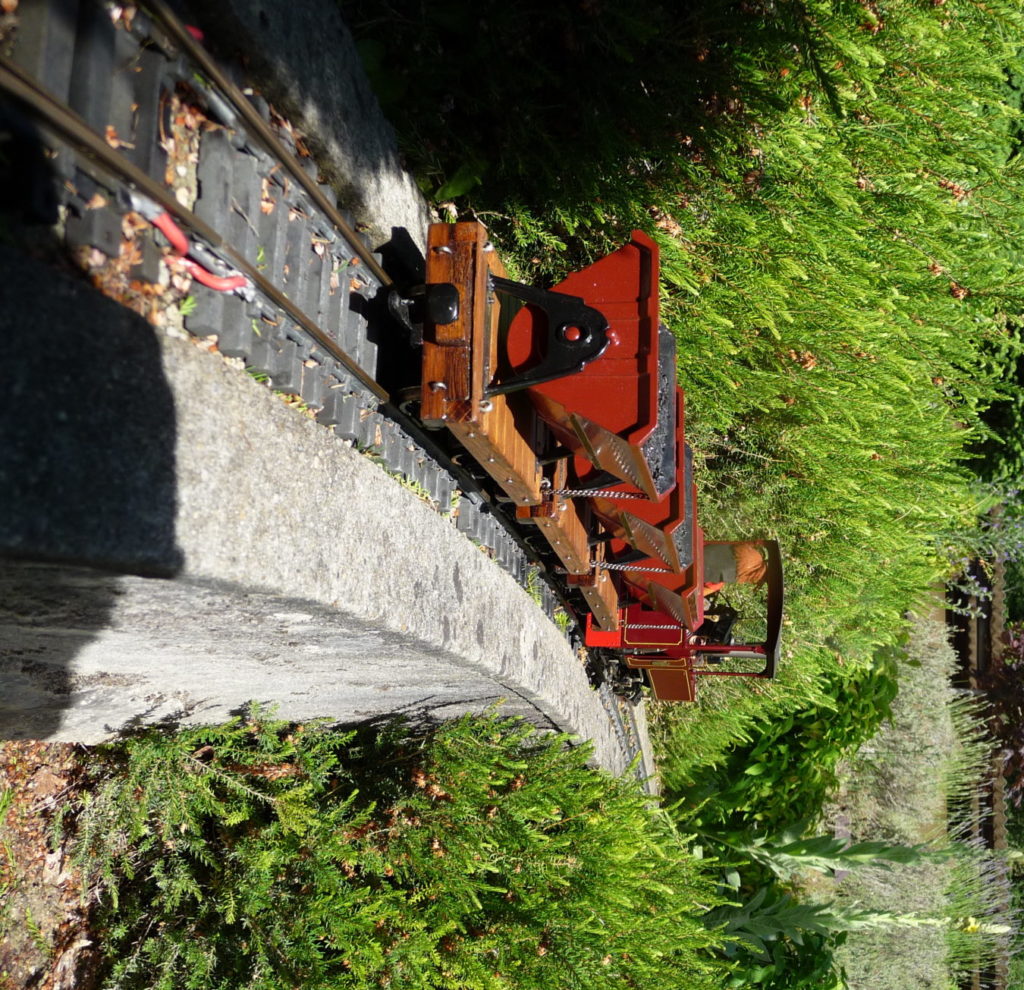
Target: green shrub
pixel 780 944
pixel 1000 454
pixel 784 773
pixel 480 855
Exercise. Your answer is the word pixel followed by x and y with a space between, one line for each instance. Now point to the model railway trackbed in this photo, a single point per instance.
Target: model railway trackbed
pixel 135 137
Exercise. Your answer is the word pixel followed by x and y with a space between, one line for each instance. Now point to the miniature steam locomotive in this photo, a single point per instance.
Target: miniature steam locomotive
pixel 567 400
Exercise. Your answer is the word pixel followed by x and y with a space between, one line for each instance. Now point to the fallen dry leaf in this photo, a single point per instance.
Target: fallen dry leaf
pixel 145 288
pixel 131 253
pixel 110 133
pixel 132 223
pixel 267 202
pixel 181 282
pixel 33 874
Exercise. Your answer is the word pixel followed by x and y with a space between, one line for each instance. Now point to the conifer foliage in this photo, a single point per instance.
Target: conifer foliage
pixel 480 855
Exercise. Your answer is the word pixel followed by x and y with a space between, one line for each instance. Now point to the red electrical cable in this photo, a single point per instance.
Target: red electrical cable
pixel 179 245
pixel 220 283
pixel 173 233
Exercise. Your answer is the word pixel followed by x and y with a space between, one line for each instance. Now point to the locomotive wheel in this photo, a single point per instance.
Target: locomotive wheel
pixel 628 683
pixel 408 402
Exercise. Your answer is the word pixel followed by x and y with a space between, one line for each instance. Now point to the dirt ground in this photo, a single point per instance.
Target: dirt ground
pixel 45 941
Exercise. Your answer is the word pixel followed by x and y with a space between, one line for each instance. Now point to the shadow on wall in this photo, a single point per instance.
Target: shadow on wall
pixel 87 442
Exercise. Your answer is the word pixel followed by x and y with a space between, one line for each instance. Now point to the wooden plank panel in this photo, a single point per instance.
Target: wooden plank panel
pixel 513 466
pixel 562 526
pixel 458 355
pixel 601 594
pixel 446 346
pixel 562 523
pixel 603 600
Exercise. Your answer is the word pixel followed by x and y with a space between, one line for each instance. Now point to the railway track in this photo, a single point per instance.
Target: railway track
pixel 180 191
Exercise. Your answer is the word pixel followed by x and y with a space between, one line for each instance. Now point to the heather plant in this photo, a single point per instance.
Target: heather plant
pixel 479 854
pixel 915 783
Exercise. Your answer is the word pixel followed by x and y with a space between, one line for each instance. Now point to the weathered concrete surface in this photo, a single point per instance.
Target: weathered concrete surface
pixel 289 568
pixel 303 59
pixel 103 650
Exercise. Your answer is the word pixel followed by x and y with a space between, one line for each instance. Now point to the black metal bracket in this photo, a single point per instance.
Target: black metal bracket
pixel 435 303
pixel 577 334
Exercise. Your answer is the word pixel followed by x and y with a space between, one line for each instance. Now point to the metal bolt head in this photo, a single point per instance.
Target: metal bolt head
pixel 486 405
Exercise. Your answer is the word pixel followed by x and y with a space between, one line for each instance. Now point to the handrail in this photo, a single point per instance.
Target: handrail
pixel 771 647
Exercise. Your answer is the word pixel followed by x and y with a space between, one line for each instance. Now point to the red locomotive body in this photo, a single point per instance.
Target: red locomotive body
pixel 568 400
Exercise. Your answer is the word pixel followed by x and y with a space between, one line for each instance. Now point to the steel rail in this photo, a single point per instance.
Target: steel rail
pixel 74 130
pixel 180 34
